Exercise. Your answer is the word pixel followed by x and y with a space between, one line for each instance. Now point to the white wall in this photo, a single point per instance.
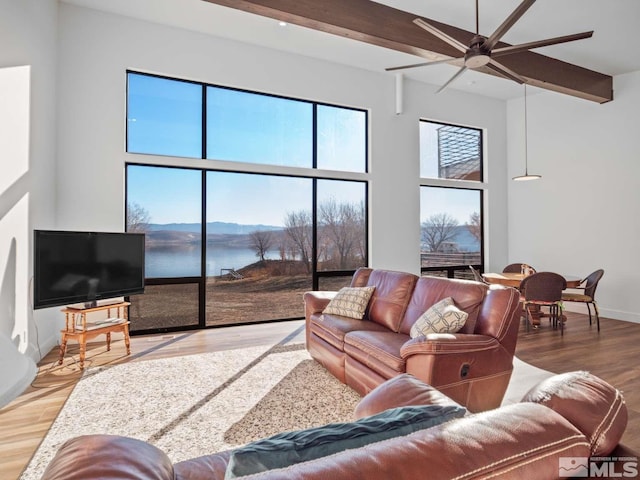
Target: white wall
pixel 27 179
pixel 582 215
pixel 96 48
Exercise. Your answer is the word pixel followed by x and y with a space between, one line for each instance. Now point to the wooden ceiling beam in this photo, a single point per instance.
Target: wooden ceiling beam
pixel 378 24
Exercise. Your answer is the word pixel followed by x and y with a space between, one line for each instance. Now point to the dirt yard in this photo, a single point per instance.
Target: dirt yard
pixel 272 291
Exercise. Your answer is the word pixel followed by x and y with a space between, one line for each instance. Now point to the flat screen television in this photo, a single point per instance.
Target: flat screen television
pixel 84 267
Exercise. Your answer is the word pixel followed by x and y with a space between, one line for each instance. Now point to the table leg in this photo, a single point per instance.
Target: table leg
pixel 63 349
pixel 127 342
pixel 536 314
pixel 83 349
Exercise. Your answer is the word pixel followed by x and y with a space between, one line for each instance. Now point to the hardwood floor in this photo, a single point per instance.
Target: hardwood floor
pixel 609 354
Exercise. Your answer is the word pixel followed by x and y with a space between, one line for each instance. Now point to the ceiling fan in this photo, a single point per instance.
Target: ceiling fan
pixel 481 51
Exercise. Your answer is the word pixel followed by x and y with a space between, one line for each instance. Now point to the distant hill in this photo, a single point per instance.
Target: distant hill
pixel 219 228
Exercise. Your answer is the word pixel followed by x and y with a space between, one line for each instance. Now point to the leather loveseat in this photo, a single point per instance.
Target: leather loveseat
pixel 472 366
pixel 563 419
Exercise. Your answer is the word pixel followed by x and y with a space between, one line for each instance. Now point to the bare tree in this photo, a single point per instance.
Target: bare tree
pixel 361 228
pixel 261 241
pixel 473 225
pixel 138 218
pixel 437 230
pixel 298 229
pixel 340 223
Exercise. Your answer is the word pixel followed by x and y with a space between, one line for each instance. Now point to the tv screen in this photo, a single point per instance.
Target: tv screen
pixel 83 267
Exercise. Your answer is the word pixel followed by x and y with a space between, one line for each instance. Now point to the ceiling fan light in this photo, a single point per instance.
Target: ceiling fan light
pixel 477 61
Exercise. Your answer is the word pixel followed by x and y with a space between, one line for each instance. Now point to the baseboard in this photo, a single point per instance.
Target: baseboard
pixel 604 312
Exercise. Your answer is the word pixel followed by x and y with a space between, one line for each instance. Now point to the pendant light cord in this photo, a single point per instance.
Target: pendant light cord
pixel 526 146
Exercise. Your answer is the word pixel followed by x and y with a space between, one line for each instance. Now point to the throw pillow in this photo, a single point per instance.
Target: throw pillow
pixel 442 317
pixel 289 448
pixel 350 302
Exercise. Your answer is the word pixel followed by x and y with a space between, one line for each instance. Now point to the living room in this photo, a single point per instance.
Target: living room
pixel 68 172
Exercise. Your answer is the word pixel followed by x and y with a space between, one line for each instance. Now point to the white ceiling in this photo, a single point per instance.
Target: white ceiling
pixel 612 50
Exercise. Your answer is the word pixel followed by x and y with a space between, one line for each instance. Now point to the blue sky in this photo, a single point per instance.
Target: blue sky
pixel 165 117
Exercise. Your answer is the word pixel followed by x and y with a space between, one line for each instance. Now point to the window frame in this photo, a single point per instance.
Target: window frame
pixel 480 186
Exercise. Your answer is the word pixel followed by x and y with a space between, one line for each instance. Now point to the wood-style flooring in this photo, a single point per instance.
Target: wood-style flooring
pixel 610 354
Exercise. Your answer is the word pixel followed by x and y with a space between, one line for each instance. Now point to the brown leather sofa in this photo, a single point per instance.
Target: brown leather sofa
pixel 473 366
pixel 569 416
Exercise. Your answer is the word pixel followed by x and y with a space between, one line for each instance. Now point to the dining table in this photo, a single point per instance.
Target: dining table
pixel 514 279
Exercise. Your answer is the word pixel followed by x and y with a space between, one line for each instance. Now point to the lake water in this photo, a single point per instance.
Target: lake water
pixel 185 262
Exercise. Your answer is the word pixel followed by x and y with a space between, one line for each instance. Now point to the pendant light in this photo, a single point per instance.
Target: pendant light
pixel 526 175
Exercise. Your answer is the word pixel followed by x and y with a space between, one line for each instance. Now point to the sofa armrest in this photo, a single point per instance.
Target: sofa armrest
pixel 474 370
pixel 316 301
pixel 108 457
pixel 447 343
pixel 400 391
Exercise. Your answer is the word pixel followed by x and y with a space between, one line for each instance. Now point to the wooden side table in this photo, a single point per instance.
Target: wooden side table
pixel 82 331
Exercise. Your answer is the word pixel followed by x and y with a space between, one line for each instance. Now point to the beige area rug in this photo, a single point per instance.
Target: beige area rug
pixel 199 404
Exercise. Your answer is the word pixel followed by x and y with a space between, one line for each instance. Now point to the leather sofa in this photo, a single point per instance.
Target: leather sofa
pixel 566 417
pixel 472 366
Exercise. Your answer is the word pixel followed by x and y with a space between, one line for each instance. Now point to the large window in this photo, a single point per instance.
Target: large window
pixel 238 246
pixel 451 215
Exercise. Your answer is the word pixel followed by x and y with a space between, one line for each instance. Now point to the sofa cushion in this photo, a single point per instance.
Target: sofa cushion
pixel 333 328
pixel 596 408
pixel 467 295
pixel 289 448
pixel 380 351
pixel 442 317
pixel 361 277
pixel 350 302
pixel 391 297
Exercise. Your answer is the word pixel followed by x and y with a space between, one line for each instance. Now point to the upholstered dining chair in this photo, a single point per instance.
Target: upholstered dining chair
pixel 544 289
pixel 477 276
pixel 589 285
pixel 516 268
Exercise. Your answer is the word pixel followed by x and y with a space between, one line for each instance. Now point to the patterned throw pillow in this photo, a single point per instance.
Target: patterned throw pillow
pixel 350 302
pixel 442 317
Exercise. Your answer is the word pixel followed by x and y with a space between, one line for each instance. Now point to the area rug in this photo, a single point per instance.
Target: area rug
pixel 200 404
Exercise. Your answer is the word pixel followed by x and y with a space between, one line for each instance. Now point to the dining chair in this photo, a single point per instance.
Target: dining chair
pixel 516 268
pixel 477 276
pixel 544 289
pixel 588 285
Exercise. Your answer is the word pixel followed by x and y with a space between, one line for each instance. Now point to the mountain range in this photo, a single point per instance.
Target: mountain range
pixel 213 228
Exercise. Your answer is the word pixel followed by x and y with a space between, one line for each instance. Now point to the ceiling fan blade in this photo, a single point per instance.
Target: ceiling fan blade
pixel 441 35
pixel 458 73
pixel 540 43
pixel 506 72
pixel 508 23
pixel 423 64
